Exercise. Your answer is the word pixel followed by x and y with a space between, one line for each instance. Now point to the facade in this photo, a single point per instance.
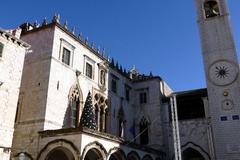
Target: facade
pixel 12 52
pixel 57 77
pixel 77 104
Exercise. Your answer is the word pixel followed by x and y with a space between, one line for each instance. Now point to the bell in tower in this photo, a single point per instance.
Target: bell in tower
pixel 211 8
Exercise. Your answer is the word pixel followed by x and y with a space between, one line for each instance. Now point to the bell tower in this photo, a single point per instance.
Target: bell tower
pixel 222 76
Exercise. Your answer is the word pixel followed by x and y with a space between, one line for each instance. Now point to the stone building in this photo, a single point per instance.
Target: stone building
pixel 77 103
pixel 57 77
pixel 12 52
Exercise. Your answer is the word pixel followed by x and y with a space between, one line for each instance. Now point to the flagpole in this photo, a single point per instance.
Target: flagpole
pixel 177 129
pixel 173 128
pixel 176 137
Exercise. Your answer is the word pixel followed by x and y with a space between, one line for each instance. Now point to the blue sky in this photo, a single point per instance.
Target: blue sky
pixel 155 35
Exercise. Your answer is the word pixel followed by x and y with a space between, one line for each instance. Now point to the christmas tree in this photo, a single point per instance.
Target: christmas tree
pixel 88 116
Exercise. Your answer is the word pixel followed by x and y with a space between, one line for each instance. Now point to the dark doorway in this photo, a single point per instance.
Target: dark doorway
pixel 192 154
pixel 60 154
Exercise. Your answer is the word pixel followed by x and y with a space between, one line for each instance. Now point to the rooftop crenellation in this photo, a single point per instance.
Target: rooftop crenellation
pixel 28 27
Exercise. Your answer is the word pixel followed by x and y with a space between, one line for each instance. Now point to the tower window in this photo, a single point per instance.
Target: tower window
pixel 211 9
pixel 66 56
pixel 89 70
pixel 1 49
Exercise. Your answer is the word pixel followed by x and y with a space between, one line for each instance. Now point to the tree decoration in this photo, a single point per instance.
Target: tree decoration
pixel 88 117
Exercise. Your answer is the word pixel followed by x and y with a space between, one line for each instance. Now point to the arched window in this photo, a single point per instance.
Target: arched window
pixel 143 126
pixel 74 108
pixel 72 115
pixel 101 112
pixel 211 8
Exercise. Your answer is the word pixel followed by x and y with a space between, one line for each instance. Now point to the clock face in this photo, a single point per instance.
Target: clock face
pixel 223 72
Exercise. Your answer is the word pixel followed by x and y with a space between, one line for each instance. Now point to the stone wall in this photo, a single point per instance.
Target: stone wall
pixel 11 65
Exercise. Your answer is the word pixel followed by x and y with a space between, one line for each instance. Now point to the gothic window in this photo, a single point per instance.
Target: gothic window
pixel 66 56
pixel 143 126
pixel 89 70
pixel 101 112
pixel 72 115
pixel 1 49
pixel 211 8
pixel 74 105
pixel 143 97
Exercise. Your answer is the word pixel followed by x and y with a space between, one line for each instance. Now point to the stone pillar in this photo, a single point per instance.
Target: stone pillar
pixel 103 120
pixel 98 120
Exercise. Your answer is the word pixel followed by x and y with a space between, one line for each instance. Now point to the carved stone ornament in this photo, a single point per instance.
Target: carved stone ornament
pixel 222 72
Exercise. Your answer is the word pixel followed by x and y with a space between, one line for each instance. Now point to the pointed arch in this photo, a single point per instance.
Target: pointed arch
pixel 101 109
pixel 63 145
pixel 75 106
pixel 116 153
pixel 95 148
pixel 190 146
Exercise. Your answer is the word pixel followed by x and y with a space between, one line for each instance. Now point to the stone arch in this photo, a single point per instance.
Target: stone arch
pixel 63 144
pixel 211 8
pixel 133 155
pixel 60 153
pixel 117 153
pixel 147 157
pixel 94 147
pixel 75 90
pixel 190 146
pixel 74 108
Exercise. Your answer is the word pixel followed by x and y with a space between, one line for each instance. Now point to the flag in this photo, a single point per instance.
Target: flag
pixel 132 129
pixel 122 129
